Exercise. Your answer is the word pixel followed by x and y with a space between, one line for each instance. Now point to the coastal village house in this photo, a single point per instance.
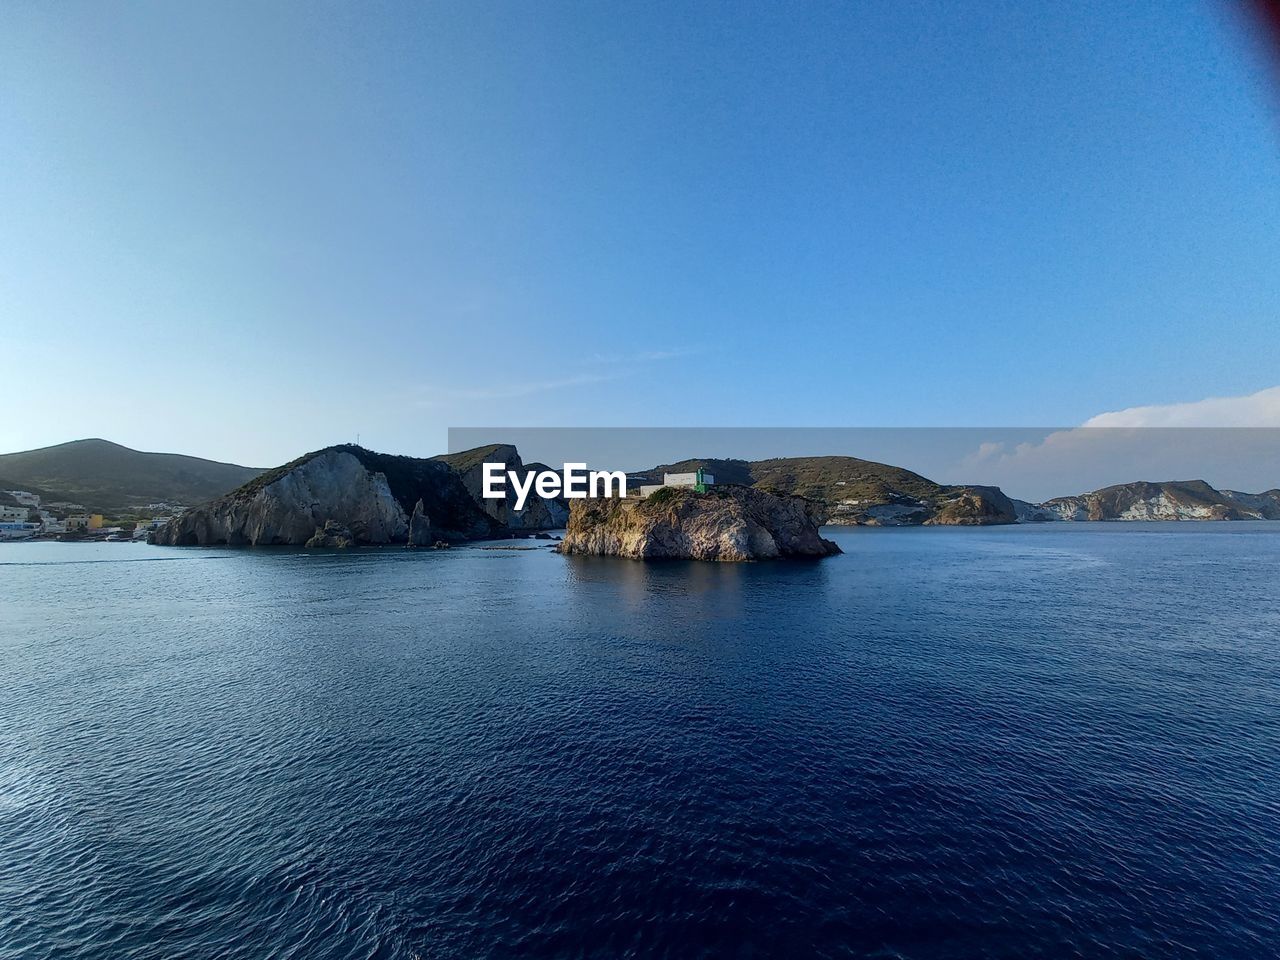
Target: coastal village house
pixel 91 521
pixel 699 480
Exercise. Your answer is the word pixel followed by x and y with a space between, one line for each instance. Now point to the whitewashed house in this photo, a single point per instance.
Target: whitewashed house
pixel 699 480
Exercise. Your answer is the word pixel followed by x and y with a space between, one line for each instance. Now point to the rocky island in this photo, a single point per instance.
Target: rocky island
pixel 345 495
pixel 726 523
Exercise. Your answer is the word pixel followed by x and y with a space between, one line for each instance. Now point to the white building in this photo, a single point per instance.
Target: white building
pixel 25 498
pixel 13 514
pixel 18 531
pixel 699 480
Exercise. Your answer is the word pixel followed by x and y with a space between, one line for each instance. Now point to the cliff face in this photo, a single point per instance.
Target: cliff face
pixel 1175 500
pixel 331 486
pixel 728 523
pixel 1265 505
pixel 336 497
pixel 972 506
pixel 538 514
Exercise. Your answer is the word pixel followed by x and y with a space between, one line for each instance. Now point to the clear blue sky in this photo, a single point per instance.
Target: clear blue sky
pixel 248 230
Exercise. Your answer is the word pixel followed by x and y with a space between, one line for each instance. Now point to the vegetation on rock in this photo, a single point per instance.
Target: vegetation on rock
pixel 108 478
pixel 858 491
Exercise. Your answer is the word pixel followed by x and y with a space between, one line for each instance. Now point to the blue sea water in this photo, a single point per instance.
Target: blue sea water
pixel 1053 741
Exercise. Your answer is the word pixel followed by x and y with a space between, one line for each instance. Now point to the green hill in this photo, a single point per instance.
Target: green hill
pixel 108 478
pixel 819 478
pixel 858 491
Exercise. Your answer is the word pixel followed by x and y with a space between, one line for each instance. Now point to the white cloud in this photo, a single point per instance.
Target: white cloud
pixel 1196 440
pixel 1261 409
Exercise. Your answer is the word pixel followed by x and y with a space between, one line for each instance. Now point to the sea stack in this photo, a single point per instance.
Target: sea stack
pixel 725 523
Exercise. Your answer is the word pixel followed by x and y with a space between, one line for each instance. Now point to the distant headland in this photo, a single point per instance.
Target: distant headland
pixel 347 495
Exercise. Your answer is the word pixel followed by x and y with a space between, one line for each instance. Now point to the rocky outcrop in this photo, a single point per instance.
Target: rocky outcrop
pixel 727 523
pixel 1032 512
pixel 538 513
pixel 1265 505
pixel 972 507
pixel 332 536
pixel 346 495
pixel 343 493
pixel 1173 500
pixel 420 527
pixel 330 486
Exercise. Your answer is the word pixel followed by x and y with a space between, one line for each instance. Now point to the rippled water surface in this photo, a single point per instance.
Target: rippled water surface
pixel 1033 741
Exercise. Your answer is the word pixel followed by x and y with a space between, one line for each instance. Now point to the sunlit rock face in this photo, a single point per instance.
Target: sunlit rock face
pixel 1176 500
pixel 332 487
pixel 727 523
pixel 359 496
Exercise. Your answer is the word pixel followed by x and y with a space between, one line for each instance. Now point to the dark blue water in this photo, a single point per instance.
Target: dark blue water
pixel 1023 742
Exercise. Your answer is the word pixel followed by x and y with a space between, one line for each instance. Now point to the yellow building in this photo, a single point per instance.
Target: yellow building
pixel 84 521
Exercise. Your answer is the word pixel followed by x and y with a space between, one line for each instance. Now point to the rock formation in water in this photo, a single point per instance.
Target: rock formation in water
pixel 420 534
pixel 971 507
pixel 726 523
pixel 1173 500
pixel 538 513
pixel 347 495
pixel 333 536
pixel 339 496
